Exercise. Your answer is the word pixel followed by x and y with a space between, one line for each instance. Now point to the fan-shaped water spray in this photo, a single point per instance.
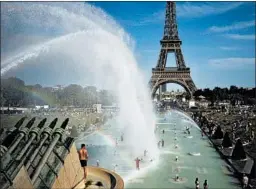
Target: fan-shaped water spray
pixel 86 46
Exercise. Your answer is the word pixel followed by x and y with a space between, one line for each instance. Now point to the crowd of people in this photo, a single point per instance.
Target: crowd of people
pixel 213 129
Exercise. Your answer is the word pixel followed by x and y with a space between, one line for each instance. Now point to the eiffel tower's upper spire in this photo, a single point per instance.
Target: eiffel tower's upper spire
pixel 170 26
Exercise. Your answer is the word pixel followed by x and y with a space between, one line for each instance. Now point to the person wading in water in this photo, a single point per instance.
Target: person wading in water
pixel 83 157
pixel 197 183
pixel 137 160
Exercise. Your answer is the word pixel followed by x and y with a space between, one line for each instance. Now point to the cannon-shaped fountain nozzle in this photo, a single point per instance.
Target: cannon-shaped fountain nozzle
pixel 64 124
pixel 61 130
pixel 41 124
pixel 16 126
pixel 20 122
pixel 47 131
pixel 33 134
pixel 44 136
pixel 56 136
pixel 21 134
pixel 53 123
pixel 31 122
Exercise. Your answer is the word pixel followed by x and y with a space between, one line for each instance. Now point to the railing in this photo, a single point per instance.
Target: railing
pixel 166 69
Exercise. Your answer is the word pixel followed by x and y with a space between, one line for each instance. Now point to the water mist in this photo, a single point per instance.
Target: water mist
pixel 82 44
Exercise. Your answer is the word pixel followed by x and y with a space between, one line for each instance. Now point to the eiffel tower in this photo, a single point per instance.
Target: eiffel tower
pixel 161 75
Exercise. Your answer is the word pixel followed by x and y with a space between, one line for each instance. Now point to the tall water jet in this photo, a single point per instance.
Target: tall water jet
pixel 82 42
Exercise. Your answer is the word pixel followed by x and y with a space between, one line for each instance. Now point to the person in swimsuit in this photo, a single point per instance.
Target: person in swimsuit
pixel 83 157
pixel 137 160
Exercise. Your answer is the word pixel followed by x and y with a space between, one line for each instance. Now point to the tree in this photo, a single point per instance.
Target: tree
pixel 226 143
pixel 13 91
pixel 238 152
pixel 72 95
pixel 91 95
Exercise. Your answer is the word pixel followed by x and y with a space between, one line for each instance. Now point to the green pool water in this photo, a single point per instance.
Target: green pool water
pixel 206 164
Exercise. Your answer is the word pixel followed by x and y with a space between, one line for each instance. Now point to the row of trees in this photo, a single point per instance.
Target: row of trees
pixel 14 92
pixel 233 94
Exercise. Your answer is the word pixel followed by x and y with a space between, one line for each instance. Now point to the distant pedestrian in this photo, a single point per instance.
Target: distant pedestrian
pixel 177 178
pixel 162 142
pixel 98 163
pixel 245 181
pixel 163 131
pixel 176 158
pixel 145 153
pixel 159 144
pixel 205 184
pixel 197 183
pixel 137 160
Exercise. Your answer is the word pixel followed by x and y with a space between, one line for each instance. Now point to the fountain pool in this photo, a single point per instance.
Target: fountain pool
pixel 196 157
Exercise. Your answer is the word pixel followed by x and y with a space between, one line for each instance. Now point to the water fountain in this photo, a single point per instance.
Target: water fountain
pixel 87 45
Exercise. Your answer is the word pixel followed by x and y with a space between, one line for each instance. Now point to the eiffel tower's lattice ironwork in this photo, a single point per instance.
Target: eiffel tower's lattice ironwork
pixel 171 43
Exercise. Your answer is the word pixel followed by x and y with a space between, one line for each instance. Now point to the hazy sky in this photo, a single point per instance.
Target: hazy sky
pixel 218 38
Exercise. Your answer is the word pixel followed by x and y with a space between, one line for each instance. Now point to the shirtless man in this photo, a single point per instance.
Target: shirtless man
pixel 83 157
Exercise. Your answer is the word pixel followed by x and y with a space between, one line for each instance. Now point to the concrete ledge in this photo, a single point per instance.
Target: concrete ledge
pixel 108 178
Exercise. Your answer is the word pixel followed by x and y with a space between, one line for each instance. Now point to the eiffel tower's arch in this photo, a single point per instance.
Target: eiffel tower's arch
pixel 166 81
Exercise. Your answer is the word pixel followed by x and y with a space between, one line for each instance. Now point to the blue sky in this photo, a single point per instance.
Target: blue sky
pixel 218 38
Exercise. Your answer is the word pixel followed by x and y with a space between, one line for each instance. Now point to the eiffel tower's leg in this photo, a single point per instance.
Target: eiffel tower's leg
pixel 179 58
pixel 162 59
pixel 191 85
